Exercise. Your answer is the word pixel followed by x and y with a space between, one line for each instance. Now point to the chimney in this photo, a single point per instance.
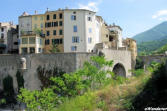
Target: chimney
pixel 47 9
pixel 36 12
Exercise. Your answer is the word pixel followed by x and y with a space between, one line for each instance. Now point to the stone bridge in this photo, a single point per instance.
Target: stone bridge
pixel 69 62
pixel 152 58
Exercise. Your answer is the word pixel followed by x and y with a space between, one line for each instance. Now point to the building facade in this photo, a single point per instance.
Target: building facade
pixel 54 30
pixel 31 33
pixel 71 30
pixel 81 30
pixel 8 38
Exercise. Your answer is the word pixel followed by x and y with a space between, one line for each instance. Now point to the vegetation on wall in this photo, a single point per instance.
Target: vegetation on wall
pixel 91 76
pixel 55 48
pixel 44 74
pixel 20 80
pixel 8 85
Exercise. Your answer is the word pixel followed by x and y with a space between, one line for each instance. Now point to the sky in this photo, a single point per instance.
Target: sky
pixel 133 16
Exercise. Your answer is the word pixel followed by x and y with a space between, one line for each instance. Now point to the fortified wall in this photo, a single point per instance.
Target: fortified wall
pixel 69 62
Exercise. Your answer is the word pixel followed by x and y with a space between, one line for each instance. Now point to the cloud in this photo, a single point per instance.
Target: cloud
pixel 160 15
pixel 93 5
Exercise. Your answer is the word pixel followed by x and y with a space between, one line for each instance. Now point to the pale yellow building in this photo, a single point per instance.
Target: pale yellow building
pixel 54 30
pixel 38 22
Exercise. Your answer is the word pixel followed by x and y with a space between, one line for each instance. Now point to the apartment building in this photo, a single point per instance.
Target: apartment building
pixel 8 38
pixel 54 30
pixel 70 30
pixel 81 30
pixel 30 33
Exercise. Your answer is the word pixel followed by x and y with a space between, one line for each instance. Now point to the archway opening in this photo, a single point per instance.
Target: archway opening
pixel 119 70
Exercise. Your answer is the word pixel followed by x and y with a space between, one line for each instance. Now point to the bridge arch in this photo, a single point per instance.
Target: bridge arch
pixel 119 69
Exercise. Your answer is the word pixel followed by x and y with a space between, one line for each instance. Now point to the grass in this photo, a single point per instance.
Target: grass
pixel 113 97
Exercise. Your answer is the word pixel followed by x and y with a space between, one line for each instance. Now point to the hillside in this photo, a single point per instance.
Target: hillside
pixel 151 46
pixel 156 33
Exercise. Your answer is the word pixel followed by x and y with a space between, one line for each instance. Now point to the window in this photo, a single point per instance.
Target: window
pixel 24 50
pixel 35 18
pixel 32 40
pixel 73 17
pixel 55 24
pixel 47 33
pixel 40 41
pixel 75 28
pixel 2 36
pixel 41 25
pixel 54 16
pixel 60 32
pixel 89 19
pixel 110 38
pixel 47 42
pixel 75 39
pixel 48 24
pixel 60 23
pixel 24 40
pixel 16 43
pixel 41 18
pixel 32 50
pixel 89 40
pixel 61 41
pixel 60 15
pixel 90 30
pixel 54 32
pixel 2 29
pixel 39 50
pixel 73 48
pixel 57 41
pixel 47 17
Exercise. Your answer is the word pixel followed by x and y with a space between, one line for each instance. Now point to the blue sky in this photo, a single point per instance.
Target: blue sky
pixel 134 16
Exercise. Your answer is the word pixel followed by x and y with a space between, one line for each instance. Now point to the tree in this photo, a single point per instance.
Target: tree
pixel 92 75
pixel 54 48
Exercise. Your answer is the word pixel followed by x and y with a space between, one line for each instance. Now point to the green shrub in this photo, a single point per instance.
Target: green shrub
pixel 8 85
pixel 138 72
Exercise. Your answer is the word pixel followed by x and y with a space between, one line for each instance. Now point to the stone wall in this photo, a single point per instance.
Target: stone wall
pixel 69 62
pixel 149 59
pixel 10 64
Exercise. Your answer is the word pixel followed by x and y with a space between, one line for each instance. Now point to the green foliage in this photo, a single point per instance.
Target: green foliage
pixel 151 47
pixel 162 49
pixel 92 76
pixel 139 63
pixel 95 72
pixel 67 85
pixel 86 102
pixel 37 31
pixel 2 101
pixel 138 72
pixel 45 100
pixel 154 91
pixel 8 86
pixel 20 80
pixel 55 49
pixel 102 105
pixel 45 74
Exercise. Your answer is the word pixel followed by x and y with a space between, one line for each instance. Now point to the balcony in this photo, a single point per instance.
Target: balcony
pixel 32 33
